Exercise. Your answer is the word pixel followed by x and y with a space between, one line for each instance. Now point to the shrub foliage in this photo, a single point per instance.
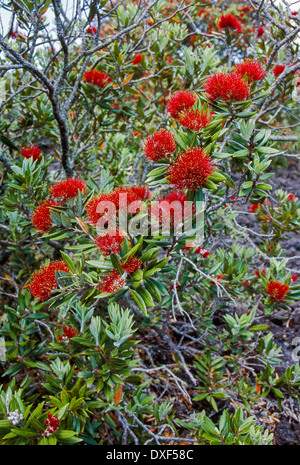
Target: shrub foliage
pixel 148 338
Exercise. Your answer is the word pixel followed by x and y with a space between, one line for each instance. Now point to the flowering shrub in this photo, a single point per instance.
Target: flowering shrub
pixel 149 213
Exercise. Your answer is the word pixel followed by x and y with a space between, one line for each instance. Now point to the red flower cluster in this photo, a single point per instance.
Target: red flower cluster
pixel 131 265
pixel 97 78
pixel 254 207
pixel 159 145
pixel 291 197
pixel 294 278
pixel 218 278
pixel 137 59
pixel 18 35
pixel 277 290
pixel 134 193
pixel 181 101
pixel 256 272
pixel 229 21
pixel 92 207
pixel 252 69
pixel 41 218
pixel 67 189
pixel 177 286
pixel 260 31
pixel 226 86
pixel 52 421
pixel 111 282
pixel 189 246
pixel 111 242
pixel 278 69
pixel 69 333
pixel 32 151
pixel 43 282
pixel 191 169
pixel 194 119
pixel 203 252
pixel 91 30
pixel 199 250
pixel 166 208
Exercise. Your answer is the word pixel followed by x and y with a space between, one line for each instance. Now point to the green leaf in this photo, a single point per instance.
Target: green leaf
pixel 6 141
pixel 68 262
pixel 139 301
pixel 259 327
pixel 267 150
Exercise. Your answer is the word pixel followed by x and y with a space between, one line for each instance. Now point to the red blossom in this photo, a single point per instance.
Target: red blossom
pixel 166 210
pixel 137 59
pixel 97 78
pixel 69 331
pixel 294 278
pixel 225 86
pixel 43 282
pixel 133 193
pixel 203 252
pixel 218 278
pixel 18 35
pixel 256 272
pixel 291 197
pixel 252 69
pixel 233 198
pixel 278 69
pixel 246 283
pixel 254 207
pixel 32 151
pixel 111 282
pixel 141 192
pixel 260 31
pixel 181 101
pixel 175 196
pixel 91 30
pixel 52 421
pixel 191 169
pixel 91 208
pixel 159 145
pixel 189 246
pixel 41 218
pixel 194 119
pixel 68 189
pixel 277 290
pixel 178 286
pixel 132 264
pixel 111 242
pixel 295 72
pixel 229 21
